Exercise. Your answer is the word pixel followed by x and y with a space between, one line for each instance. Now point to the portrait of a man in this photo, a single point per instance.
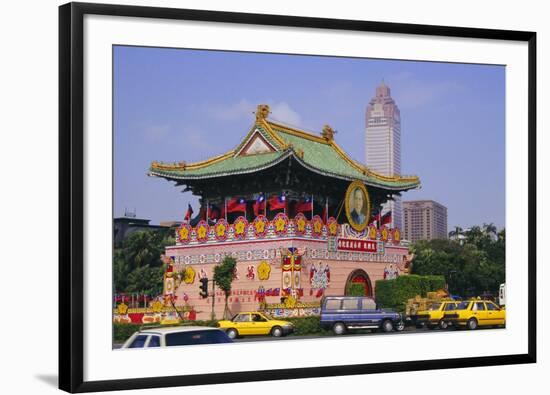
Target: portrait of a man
pixel 357 205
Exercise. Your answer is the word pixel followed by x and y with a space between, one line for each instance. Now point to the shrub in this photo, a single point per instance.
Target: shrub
pixel 394 293
pixel 355 289
pixel 307 325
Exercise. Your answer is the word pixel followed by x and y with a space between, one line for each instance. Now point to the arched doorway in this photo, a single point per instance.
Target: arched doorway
pixel 358 284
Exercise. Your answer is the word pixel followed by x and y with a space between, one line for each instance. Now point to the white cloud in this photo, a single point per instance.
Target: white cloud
pixel 234 112
pixel 282 112
pixel 245 109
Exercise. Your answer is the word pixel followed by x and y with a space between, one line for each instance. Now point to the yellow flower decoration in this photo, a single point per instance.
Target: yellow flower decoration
pixel 333 228
pixel 201 232
pixel 264 270
pixel 260 226
pixel 290 302
pixel 220 229
pixel 372 232
pixel 301 224
pixel 122 308
pixel 318 226
pixel 396 235
pixel 189 275
pixel 184 233
pixel 157 306
pixel 280 225
pixel 239 228
pixel 384 234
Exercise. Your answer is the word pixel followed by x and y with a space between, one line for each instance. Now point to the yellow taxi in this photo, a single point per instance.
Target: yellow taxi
pixel 255 323
pixel 475 313
pixel 432 317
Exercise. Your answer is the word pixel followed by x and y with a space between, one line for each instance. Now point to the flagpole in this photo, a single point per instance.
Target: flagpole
pixel 207 207
pixel 326 209
pixel 312 206
pixel 225 207
pixel 265 205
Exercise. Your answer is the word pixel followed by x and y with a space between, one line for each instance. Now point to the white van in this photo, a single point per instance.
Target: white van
pixel 502 295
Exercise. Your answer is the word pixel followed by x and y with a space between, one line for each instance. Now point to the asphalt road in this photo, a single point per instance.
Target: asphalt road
pixel 363 332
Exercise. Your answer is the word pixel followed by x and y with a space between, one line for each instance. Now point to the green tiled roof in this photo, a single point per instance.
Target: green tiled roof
pixel 233 165
pixel 318 154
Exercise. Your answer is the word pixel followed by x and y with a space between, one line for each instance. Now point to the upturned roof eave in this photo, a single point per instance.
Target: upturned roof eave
pixel 281 158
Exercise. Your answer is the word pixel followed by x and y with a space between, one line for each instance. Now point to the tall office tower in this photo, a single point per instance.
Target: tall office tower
pixel 424 220
pixel 383 143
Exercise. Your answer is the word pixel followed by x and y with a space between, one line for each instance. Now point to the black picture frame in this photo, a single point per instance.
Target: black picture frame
pixel 71 194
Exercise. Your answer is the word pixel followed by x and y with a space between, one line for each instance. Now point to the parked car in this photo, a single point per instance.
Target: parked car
pixel 475 313
pixel 433 316
pixel 255 323
pixel 345 313
pixel 176 336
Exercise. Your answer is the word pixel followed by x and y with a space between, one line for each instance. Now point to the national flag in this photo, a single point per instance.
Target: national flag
pixel 259 205
pixel 304 205
pixel 277 202
pixel 375 219
pixel 189 213
pixel 236 205
pixel 386 218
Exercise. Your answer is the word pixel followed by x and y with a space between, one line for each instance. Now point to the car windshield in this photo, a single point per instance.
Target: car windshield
pixel 197 337
pixel 270 318
pixel 434 306
pixel 462 305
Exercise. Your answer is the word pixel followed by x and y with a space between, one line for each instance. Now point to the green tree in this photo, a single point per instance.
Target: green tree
pixel 137 267
pixel 224 273
pixel 470 268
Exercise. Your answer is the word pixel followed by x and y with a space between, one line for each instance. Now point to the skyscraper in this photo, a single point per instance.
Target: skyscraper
pixel 383 143
pixel 424 220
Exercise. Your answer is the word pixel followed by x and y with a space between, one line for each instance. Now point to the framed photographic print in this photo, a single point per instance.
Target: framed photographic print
pixel 249 197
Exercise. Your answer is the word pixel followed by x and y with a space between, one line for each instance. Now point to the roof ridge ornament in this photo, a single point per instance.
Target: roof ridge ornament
pixel 262 112
pixel 328 133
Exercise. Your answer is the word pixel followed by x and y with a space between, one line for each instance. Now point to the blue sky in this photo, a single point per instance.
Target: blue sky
pixel 175 104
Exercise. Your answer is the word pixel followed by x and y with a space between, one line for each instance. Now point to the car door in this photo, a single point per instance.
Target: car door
pixel 242 323
pixel 259 324
pixel 480 313
pixel 495 313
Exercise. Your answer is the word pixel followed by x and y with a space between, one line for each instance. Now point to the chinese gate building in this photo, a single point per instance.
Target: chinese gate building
pixel 300 217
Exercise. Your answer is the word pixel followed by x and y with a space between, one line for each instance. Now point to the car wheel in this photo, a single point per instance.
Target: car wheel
pixel 387 326
pixel 400 326
pixel 443 324
pixel 339 328
pixel 276 331
pixel 232 333
pixel 472 323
